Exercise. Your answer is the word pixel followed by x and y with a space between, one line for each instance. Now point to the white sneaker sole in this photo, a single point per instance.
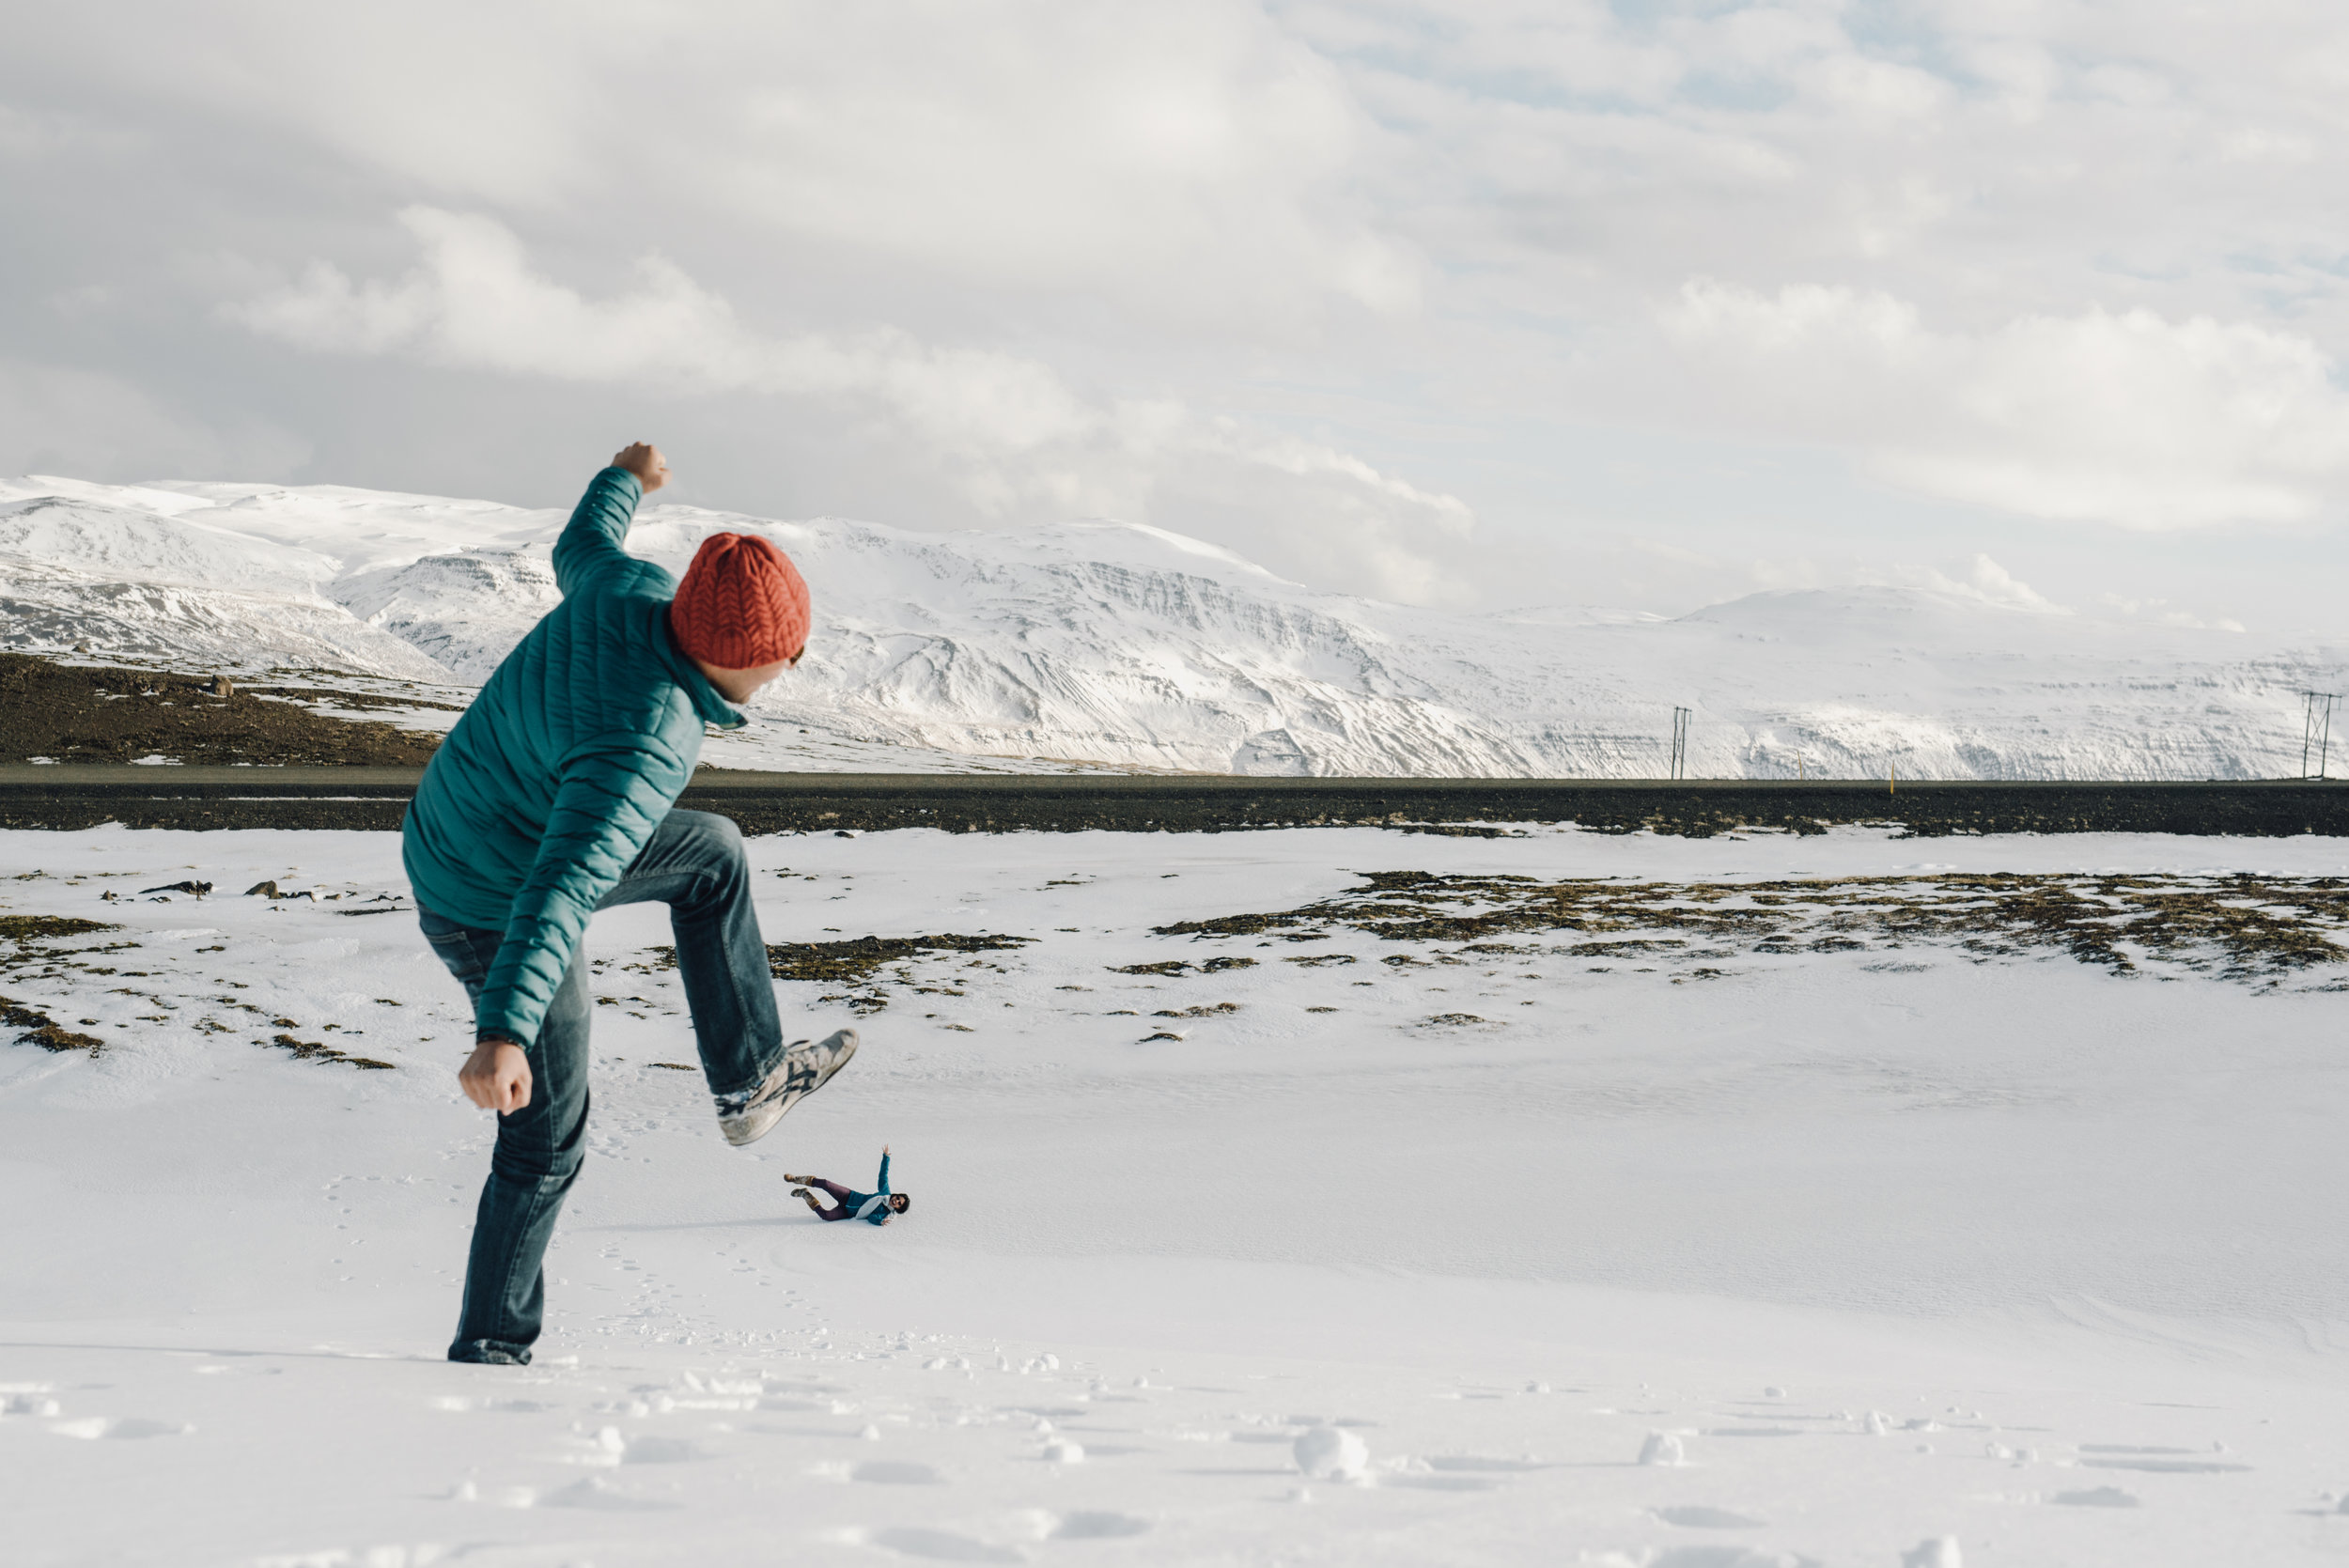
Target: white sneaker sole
pixel 803 1070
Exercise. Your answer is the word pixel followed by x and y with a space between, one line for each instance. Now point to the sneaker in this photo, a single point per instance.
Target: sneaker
pixel 804 1068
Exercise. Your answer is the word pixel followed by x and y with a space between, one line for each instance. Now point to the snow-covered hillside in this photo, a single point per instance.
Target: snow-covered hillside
pixel 1130 645
pixel 1721 1253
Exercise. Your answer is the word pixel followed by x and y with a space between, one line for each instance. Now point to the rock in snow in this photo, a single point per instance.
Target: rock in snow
pixel 1130 645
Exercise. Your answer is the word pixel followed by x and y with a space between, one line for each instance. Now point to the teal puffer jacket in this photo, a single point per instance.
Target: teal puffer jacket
pixel 564 765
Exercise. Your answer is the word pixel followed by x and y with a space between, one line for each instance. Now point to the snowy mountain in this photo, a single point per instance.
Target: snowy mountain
pixel 1123 644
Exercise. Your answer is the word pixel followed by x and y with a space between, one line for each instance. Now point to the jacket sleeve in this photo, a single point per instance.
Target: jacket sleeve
pixel 607 807
pixel 884 1175
pixel 591 544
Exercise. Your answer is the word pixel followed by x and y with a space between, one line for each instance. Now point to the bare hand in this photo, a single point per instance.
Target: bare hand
pixel 644 459
pixel 496 1077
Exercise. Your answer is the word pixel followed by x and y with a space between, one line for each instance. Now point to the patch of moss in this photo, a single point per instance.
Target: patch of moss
pixel 2243 924
pixel 41 928
pixel 314 1051
pixel 38 1029
pixel 851 962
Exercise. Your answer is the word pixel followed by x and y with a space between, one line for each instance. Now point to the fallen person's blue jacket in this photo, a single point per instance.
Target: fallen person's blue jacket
pixel 558 773
pixel 871 1207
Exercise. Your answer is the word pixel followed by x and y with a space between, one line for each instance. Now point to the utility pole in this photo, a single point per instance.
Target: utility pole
pixel 2316 730
pixel 1680 741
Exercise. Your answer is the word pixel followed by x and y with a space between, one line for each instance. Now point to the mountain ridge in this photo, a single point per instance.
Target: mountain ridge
pixel 1125 645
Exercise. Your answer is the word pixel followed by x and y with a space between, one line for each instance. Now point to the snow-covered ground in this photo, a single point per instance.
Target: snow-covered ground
pixel 1127 645
pixel 1883 1244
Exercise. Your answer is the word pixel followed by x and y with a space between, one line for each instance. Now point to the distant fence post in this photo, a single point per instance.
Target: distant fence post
pixel 1680 742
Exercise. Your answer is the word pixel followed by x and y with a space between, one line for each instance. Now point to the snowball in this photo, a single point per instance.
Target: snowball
pixel 1331 1453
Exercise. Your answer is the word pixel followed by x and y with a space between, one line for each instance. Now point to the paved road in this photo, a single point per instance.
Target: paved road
pixel 374 798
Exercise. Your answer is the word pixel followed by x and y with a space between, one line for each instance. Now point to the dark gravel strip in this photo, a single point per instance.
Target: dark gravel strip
pixel 374 799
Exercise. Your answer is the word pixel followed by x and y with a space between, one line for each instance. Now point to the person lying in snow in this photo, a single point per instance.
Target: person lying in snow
pixel 874 1208
pixel 550 801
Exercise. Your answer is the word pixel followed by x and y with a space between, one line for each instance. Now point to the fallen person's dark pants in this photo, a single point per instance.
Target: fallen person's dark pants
pixel 693 863
pixel 849 1201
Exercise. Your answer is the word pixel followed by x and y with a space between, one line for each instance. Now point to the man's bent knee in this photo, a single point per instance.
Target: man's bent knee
pixel 718 833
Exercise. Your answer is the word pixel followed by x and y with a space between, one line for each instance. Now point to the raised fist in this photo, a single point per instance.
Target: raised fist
pixel 644 459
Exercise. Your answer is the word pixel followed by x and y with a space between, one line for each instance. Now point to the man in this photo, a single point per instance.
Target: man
pixel 550 801
pixel 874 1208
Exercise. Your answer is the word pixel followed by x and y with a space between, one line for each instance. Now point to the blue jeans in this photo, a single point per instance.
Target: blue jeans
pixel 695 865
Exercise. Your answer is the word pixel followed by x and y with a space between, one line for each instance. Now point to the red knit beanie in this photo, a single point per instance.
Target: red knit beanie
pixel 742 604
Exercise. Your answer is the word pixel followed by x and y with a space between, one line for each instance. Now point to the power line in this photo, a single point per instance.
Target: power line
pixel 1680 741
pixel 2316 730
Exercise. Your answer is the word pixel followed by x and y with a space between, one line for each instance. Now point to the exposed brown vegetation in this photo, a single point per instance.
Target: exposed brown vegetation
pixel 2244 924
pixel 73 713
pixel 858 961
pixel 38 1029
pixel 315 1051
pixel 39 928
pixel 854 961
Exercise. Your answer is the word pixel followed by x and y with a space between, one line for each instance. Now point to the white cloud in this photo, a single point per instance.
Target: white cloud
pixel 2080 260
pixel 1193 163
pixel 1019 440
pixel 1976 578
pixel 2116 417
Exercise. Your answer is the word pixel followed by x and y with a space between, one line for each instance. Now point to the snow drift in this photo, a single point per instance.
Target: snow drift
pixel 1130 646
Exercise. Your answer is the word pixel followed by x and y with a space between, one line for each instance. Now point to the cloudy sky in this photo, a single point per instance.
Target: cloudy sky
pixel 1484 303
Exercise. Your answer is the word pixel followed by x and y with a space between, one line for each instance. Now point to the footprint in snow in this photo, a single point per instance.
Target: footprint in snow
pixel 594 1492
pixel 1471 1462
pixel 1698 1518
pixel 895 1472
pixel 941 1545
pixel 2114 1456
pixel 1096 1527
pixel 1728 1557
pixel 660 1450
pixel 1441 1483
